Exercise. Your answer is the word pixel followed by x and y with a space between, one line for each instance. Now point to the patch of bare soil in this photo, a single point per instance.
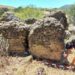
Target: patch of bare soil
pixel 28 66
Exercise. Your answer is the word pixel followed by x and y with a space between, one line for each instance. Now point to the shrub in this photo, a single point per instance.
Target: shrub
pixel 28 12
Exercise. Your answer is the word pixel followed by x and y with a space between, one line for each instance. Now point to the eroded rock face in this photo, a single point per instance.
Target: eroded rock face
pixel 3 46
pixel 16 35
pixel 60 16
pixel 46 36
pixel 46 40
pixel 9 16
pixel 30 21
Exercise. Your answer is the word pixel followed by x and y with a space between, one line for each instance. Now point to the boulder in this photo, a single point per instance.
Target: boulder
pixel 70 52
pixel 71 57
pixel 60 16
pixel 70 34
pixel 9 16
pixel 47 39
pixel 16 35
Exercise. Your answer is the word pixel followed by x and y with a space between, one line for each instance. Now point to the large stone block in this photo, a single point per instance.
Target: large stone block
pixel 16 35
pixel 60 16
pixel 47 39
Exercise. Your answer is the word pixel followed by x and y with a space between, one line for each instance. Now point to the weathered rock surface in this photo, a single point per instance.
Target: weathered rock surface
pixel 8 16
pixel 30 21
pixel 60 16
pixel 70 34
pixel 16 34
pixel 47 39
pixel 3 45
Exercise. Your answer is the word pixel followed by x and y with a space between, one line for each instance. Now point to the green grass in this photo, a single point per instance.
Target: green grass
pixel 28 12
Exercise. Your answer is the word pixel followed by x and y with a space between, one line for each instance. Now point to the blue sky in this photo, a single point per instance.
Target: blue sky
pixel 37 3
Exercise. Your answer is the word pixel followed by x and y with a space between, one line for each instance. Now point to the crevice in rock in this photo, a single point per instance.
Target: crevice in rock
pixel 26 44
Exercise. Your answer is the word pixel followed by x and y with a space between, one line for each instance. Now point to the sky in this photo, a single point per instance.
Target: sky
pixel 37 3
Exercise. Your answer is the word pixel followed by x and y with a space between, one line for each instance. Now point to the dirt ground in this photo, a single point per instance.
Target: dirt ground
pixel 28 66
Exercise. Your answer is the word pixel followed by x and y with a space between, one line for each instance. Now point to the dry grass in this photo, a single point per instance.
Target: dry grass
pixel 27 66
pixel 38 68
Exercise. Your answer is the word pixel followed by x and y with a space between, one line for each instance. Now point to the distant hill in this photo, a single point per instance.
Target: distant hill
pixel 65 6
pixel 5 6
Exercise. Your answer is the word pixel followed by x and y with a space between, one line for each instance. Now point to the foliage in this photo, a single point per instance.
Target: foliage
pixel 28 12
